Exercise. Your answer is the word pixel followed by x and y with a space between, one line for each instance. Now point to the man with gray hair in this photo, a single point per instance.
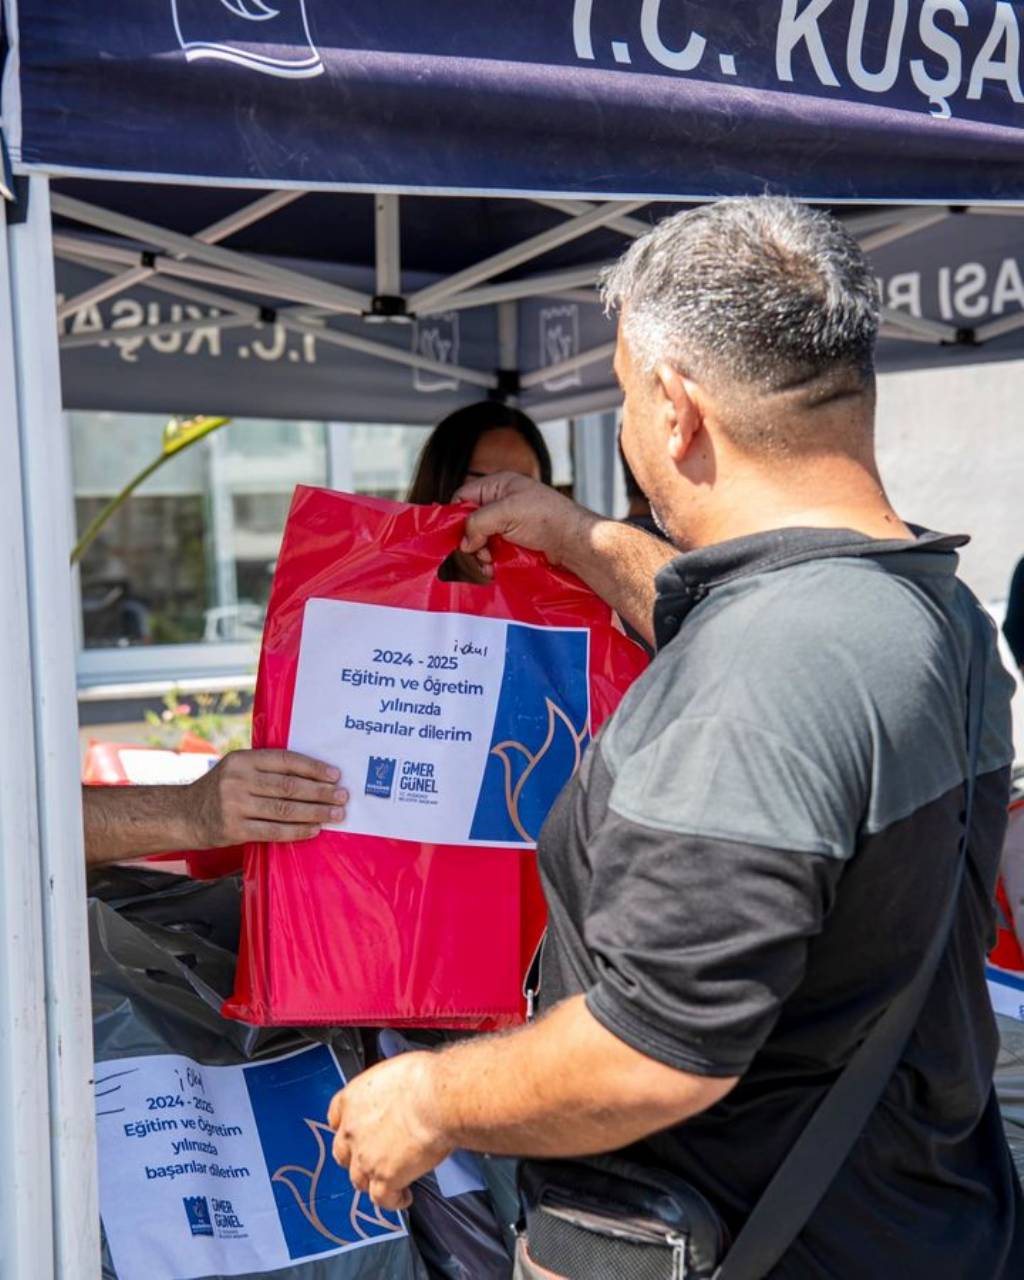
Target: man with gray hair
pixel 759 848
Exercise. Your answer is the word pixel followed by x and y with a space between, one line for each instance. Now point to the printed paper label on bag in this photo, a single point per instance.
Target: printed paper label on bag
pixel 225 1170
pixel 1006 991
pixel 448 728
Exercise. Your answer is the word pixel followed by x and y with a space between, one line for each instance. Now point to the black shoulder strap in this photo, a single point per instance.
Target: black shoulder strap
pixel 818 1154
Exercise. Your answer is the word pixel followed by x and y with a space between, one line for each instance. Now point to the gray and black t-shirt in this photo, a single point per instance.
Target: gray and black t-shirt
pixel 750 864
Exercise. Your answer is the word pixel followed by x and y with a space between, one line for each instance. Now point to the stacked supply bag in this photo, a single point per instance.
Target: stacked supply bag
pixel 214 1158
pixel 214 1154
pixel 1009 1085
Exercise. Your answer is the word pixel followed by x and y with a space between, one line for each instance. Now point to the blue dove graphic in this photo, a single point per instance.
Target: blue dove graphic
pixel 325 1189
pixel 528 807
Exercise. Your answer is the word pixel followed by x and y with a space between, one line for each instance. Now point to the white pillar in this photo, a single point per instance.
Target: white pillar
pixel 26 1206
pixel 48 538
pixel 340 462
pixel 595 461
pixel 221 506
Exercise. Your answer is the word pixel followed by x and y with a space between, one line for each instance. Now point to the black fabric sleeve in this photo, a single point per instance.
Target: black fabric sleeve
pixel 698 941
pixel 1013 623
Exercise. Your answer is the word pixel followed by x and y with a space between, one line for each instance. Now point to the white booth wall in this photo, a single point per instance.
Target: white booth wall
pixel 951 450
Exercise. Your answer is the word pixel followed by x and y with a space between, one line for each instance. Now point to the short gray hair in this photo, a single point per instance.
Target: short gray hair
pixel 760 290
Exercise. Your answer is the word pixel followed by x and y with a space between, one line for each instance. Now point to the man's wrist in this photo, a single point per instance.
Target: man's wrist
pixel 577 546
pixel 432 1124
pixel 181 817
pixel 131 822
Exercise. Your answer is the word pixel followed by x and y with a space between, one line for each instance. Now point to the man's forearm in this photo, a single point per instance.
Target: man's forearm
pixel 619 563
pixel 128 822
pixel 562 1087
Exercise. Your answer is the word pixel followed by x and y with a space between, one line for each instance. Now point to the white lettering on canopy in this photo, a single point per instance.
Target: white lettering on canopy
pixel 987 66
pixel 938 89
pixel 1009 287
pixel 685 59
pixel 972 291
pixel 876 81
pixel 904 292
pixel 927 56
pixel 801 27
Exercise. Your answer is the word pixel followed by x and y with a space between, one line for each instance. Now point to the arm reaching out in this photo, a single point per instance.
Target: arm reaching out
pixel 615 560
pixel 563 1086
pixel 249 796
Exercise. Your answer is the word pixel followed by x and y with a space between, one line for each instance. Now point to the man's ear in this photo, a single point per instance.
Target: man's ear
pixel 678 398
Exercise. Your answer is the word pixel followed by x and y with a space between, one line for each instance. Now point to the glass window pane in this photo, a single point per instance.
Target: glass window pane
pixel 384 458
pixel 190 555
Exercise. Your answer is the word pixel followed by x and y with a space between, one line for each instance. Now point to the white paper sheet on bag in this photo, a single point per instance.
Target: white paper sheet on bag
pixel 448 728
pixel 221 1170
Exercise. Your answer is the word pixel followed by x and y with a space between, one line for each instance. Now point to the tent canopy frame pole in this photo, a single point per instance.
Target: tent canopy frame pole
pixel 540 286
pixel 871 220
pixel 900 230
pixel 388 245
pixel 537 377
pixel 508 337
pixel 632 227
pixel 46 478
pixel 297 319
pixel 919 326
pixel 165 284
pixel 528 287
pixel 999 328
pixel 78 247
pixel 26 1206
pixel 213 234
pixel 320 292
pixel 427 299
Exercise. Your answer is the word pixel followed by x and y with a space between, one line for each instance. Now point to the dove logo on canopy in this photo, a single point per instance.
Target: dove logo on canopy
pixel 273 37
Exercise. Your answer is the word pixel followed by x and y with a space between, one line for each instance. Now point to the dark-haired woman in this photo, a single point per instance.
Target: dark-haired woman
pixel 478 440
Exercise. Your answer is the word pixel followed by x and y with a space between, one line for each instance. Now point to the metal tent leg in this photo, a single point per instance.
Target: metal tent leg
pixel 26 1205
pixel 48 536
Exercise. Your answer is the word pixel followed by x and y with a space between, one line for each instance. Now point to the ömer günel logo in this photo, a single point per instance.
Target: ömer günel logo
pixel 197 1210
pixel 380 777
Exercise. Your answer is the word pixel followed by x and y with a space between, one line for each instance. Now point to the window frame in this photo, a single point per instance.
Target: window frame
pixel 128 671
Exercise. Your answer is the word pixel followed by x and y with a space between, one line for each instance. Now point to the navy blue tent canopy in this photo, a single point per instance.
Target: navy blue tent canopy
pixel 952 282
pixel 827 99
pixel 378 296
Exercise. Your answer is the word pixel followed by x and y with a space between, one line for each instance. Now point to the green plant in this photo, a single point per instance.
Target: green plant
pixel 217 718
pixel 179 434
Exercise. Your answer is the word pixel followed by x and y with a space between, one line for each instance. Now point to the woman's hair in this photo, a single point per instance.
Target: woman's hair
pixel 444 462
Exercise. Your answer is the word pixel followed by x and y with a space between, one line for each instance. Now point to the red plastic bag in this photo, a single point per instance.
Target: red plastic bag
pixel 127 764
pixel 454 729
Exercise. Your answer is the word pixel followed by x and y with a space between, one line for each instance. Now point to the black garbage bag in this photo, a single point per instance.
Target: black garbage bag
pixel 214 1155
pixel 1009 1084
pixel 461 1214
